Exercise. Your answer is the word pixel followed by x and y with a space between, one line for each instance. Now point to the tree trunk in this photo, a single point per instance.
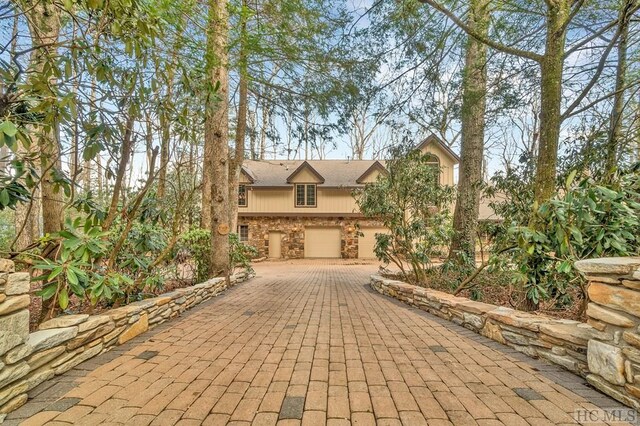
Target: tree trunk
pixel 251 123
pixel 241 125
pixel 263 128
pixel 44 26
pixel 637 126
pixel 474 101
pixel 165 120
pixel 125 155
pixel 551 69
pixel 216 137
pixel 615 128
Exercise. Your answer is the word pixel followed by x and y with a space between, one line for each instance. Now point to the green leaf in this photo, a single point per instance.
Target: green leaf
pixel 54 273
pixel 5 200
pixel 8 128
pixel 47 291
pixel 570 178
pixel 63 299
pixel 72 277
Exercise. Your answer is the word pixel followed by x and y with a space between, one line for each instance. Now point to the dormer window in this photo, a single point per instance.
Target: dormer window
pixel 306 195
pixel 242 196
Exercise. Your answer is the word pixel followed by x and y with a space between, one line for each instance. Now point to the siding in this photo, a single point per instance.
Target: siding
pixel 282 201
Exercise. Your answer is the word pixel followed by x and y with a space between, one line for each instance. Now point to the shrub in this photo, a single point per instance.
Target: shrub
pixel 586 219
pixel 240 254
pixel 196 244
pixel 414 207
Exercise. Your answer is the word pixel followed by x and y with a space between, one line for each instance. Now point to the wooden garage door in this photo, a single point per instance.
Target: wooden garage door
pixel 322 242
pixel 367 242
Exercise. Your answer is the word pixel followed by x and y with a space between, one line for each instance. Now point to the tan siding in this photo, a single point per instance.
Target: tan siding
pixel 371 177
pixel 305 176
pixel 281 201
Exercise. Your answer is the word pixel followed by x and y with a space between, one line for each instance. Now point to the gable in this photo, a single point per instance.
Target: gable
pixel 444 159
pixel 305 174
pixel 372 173
pixel 433 145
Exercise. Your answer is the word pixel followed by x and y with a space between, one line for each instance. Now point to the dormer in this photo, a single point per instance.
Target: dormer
pixel 305 173
pixel 371 174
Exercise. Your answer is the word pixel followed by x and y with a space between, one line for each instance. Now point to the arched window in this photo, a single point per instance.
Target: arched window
pixel 434 161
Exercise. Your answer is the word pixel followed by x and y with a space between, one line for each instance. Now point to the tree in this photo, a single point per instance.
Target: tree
pixel 474 86
pixel 216 132
pixel 235 163
pixel 44 20
pixel 558 16
pixel 413 208
pixel 615 126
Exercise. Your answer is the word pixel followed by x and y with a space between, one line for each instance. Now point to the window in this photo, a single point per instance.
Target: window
pixel 434 162
pixel 243 232
pixel 306 195
pixel 242 196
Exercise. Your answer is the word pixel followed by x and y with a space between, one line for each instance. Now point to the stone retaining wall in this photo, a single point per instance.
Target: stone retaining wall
pixel 28 359
pixel 606 350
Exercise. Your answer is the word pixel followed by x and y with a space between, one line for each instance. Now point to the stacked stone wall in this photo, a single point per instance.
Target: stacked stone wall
pixel 28 359
pixel 605 350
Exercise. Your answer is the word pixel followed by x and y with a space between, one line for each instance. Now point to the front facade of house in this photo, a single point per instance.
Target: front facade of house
pixel 305 209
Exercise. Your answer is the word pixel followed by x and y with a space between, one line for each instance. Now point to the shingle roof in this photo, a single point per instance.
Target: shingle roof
pixel 336 173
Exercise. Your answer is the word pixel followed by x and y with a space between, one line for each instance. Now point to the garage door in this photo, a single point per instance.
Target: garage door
pixel 322 242
pixel 367 242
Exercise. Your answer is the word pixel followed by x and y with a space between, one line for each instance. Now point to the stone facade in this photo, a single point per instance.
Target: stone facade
pixel 28 359
pixel 292 228
pixel 605 350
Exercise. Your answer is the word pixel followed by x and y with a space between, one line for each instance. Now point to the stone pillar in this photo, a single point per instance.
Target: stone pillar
pixel 14 332
pixel 614 307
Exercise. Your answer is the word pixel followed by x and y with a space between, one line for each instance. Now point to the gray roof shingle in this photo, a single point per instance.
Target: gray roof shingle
pixel 336 173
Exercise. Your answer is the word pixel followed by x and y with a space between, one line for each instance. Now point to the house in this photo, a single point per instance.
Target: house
pixel 305 209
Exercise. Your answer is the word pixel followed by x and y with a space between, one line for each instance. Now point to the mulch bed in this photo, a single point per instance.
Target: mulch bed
pixel 497 288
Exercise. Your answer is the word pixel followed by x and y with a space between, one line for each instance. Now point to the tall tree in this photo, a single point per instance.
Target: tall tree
pixel 558 15
pixel 44 20
pixel 615 127
pixel 235 164
pixel 474 102
pixel 216 133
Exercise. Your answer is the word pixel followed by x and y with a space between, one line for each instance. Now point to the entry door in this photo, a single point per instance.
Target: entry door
pixel 275 245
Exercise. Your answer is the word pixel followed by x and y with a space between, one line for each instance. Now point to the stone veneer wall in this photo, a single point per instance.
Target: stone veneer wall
pixel 292 229
pixel 28 359
pixel 606 350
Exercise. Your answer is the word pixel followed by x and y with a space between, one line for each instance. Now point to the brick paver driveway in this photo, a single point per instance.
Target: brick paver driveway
pixel 310 342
